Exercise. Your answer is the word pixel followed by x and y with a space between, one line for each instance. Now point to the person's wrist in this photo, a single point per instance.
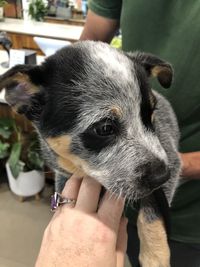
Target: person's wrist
pixel 190 165
pixel 185 164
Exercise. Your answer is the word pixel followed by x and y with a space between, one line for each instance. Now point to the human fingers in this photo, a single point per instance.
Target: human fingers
pixel 88 197
pixel 122 242
pixel 70 191
pixel 110 210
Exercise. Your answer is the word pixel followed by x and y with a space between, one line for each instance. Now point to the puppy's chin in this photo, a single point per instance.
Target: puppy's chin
pixel 131 191
pixel 131 194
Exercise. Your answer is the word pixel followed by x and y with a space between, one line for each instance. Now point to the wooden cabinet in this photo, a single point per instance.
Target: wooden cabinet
pixel 12 10
pixel 77 22
pixel 24 41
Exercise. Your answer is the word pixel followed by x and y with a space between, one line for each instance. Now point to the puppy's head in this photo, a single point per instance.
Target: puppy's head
pixel 94 111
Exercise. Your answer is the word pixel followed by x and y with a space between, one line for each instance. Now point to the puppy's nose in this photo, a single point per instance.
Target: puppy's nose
pixel 156 174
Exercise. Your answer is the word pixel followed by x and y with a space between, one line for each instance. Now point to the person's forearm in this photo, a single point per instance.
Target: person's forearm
pixel 98 28
pixel 191 164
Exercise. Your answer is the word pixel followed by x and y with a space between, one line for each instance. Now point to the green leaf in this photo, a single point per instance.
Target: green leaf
pixel 6 127
pixel 35 161
pixel 15 164
pixel 116 42
pixel 3 3
pixel 37 9
pixel 5 133
pixel 4 150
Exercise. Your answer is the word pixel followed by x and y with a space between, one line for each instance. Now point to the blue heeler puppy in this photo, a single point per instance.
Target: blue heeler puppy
pixel 97 115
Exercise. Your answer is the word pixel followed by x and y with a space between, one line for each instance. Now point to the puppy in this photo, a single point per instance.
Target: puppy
pixel 96 115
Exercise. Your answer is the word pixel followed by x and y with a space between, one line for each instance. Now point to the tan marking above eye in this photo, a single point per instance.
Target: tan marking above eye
pixel 66 160
pixel 115 110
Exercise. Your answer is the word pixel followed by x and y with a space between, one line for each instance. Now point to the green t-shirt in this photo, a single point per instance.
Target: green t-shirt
pixel 171 30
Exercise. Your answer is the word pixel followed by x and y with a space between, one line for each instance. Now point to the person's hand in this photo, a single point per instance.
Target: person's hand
pixel 85 234
pixel 191 165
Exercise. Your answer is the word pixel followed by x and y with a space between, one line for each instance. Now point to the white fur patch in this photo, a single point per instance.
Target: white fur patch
pixel 114 63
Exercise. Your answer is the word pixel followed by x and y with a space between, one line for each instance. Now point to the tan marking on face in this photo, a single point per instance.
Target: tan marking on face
pixel 116 111
pixel 66 160
pixel 154 249
pixel 69 166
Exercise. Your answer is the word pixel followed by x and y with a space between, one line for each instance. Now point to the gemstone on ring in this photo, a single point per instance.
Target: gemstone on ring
pixel 54 201
pixel 57 200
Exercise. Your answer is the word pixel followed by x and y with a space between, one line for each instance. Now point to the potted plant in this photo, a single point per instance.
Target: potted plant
pixel 24 165
pixel 2 4
pixel 37 10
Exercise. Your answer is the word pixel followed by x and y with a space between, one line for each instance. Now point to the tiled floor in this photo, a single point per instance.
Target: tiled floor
pixel 21 227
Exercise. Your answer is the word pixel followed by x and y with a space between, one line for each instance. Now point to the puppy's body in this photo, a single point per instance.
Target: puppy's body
pixel 97 115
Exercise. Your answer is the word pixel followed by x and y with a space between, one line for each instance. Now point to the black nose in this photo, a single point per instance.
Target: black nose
pixel 155 173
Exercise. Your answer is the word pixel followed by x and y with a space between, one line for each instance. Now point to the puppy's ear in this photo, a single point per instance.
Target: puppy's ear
pixel 23 89
pixel 155 67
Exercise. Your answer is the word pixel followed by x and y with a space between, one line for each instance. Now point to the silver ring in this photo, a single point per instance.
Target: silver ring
pixel 57 200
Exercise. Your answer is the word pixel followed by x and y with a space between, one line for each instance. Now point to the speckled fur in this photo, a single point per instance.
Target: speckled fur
pixel 79 85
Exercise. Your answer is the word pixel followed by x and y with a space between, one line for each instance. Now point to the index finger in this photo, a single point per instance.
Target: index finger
pixel 110 210
pixel 88 197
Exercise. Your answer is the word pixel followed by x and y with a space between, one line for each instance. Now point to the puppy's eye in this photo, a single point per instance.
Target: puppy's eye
pixel 101 134
pixel 105 128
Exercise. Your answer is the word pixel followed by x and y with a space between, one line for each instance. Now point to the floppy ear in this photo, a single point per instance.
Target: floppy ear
pixel 23 89
pixel 155 67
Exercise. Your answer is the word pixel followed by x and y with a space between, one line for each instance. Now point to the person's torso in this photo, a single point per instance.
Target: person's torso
pixel 170 30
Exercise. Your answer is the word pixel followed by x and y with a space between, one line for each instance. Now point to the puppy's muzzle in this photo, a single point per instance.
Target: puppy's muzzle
pixel 154 174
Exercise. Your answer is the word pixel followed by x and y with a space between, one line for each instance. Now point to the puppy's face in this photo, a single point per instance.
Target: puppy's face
pixel 94 111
